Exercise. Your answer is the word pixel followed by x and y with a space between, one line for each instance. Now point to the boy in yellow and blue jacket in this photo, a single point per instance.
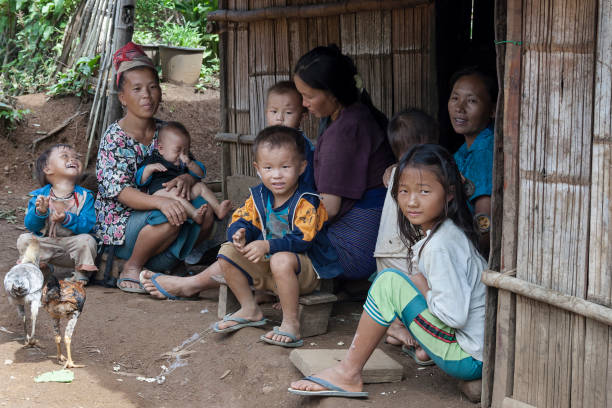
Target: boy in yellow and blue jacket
pixel 277 240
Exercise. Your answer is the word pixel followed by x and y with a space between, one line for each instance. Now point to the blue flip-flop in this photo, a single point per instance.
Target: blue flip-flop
pixel 139 289
pixel 331 391
pixel 163 291
pixel 292 344
pixel 240 324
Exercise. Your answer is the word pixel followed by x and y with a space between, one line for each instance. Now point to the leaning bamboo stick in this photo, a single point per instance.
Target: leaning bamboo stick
pixel 314 10
pixel 551 297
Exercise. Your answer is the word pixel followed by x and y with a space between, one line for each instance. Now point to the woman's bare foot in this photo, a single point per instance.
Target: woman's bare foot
pixel 175 285
pixel 337 375
pixel 130 272
pixel 250 315
pixel 287 327
pixel 398 334
pixel 223 209
pixel 421 354
pixel 198 214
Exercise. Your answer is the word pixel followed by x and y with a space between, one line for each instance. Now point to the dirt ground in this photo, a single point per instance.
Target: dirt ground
pixel 126 340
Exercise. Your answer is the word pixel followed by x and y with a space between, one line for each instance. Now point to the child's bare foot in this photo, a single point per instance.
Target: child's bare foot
pixel 337 375
pixel 397 334
pixel 198 214
pixel 223 209
pixel 292 328
pixel 174 285
pixel 250 315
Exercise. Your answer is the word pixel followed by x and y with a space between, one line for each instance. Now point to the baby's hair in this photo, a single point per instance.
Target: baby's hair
pixel 488 79
pixel 327 69
pixel 284 88
pixel 277 136
pixel 179 127
pixel 409 127
pixel 43 159
pixel 437 159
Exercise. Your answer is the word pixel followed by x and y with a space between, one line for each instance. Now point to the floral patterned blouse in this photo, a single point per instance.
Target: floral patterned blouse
pixel 118 158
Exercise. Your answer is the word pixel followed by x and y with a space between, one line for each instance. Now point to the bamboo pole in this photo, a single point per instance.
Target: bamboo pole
pixel 551 297
pixel 310 11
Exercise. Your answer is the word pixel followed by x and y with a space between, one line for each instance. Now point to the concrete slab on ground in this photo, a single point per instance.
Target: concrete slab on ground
pixel 380 368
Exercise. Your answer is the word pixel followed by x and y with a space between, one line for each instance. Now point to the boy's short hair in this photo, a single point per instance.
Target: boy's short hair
pixel 277 136
pixel 284 88
pixel 179 127
pixel 410 127
pixel 43 159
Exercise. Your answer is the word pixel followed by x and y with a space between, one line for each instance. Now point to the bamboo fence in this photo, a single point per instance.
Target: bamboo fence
pixel 553 345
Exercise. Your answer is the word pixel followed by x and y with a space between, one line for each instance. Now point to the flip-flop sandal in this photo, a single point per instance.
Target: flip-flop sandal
pixel 411 351
pixel 241 323
pixel 331 391
pixel 292 344
pixel 139 289
pixel 162 290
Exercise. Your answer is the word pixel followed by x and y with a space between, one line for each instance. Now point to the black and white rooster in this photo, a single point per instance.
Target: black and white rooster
pixel 23 285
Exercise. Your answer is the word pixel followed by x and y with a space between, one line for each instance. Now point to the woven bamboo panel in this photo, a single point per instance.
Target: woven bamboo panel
pixel 556 142
pixel 393 50
pixel 600 250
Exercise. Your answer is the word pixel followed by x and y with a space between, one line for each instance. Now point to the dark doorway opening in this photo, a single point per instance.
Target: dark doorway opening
pixel 464 37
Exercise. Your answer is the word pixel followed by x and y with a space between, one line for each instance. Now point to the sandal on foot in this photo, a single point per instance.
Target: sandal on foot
pixel 79 277
pixel 331 391
pixel 292 344
pixel 161 290
pixel 139 289
pixel 240 324
pixel 411 351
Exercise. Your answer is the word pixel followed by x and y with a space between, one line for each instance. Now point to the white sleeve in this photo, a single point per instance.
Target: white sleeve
pixel 449 296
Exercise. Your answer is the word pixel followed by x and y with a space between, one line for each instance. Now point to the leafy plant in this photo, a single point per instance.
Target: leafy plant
pixel 77 80
pixel 209 77
pixel 144 37
pixel 30 40
pixel 10 215
pixel 11 117
pixel 179 35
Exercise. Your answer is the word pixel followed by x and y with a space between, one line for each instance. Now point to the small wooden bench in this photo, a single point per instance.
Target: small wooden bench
pixel 314 309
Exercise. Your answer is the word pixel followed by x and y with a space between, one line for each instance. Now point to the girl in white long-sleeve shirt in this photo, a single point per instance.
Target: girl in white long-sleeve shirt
pixel 442 304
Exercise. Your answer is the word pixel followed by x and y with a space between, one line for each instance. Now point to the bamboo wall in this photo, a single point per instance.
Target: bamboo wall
pixel 393 49
pixel 562 163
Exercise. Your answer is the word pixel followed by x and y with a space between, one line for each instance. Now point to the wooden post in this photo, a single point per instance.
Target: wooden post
pixel 124 29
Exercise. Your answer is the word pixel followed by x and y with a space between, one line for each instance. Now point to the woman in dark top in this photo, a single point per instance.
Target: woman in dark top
pixel 351 155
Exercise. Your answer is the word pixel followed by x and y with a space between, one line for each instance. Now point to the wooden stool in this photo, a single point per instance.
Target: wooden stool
pixel 314 309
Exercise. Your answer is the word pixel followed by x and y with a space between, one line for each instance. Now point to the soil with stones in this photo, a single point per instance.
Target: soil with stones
pixel 141 352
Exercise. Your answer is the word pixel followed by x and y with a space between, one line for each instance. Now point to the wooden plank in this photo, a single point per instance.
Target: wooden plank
pixel 600 248
pixel 380 368
pixel 512 403
pixel 506 324
pixel 547 296
pixel 596 365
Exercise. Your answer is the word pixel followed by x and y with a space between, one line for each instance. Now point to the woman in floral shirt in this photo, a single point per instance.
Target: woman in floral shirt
pixel 145 230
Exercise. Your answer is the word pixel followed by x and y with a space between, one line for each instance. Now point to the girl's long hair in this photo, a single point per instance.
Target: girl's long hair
pixel 437 159
pixel 327 69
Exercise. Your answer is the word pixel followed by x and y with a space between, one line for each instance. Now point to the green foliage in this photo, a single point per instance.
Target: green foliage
pixel 11 214
pixel 184 13
pixel 10 116
pixel 209 77
pixel 78 80
pixel 144 38
pixel 181 35
pixel 30 40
